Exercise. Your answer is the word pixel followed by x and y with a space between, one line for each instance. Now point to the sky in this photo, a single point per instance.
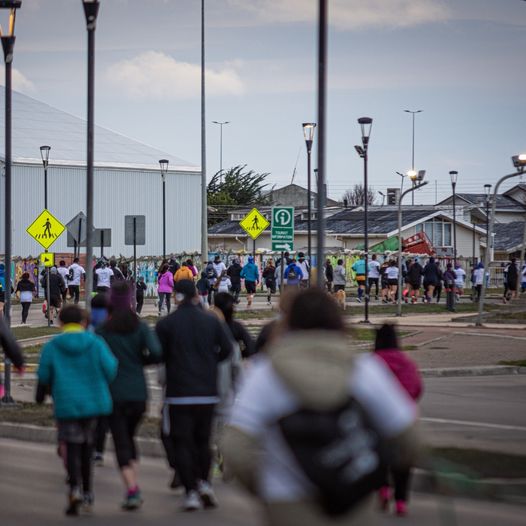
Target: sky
pixel 462 62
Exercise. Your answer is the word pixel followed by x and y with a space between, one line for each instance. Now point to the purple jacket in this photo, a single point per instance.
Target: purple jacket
pixel 166 282
pixel 404 369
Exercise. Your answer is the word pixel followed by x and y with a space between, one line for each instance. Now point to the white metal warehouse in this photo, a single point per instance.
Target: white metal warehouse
pixel 127 182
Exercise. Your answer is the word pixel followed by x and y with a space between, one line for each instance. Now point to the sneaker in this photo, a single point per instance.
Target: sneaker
pixel 359 300
pixel 87 503
pixel 401 508
pixel 384 494
pixel 207 495
pixel 132 501
pixel 98 459
pixel 74 501
pixel 192 502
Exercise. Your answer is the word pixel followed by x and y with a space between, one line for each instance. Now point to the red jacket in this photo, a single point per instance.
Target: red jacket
pixel 404 369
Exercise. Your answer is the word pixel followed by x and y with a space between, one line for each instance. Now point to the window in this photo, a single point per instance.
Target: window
pixel 438 231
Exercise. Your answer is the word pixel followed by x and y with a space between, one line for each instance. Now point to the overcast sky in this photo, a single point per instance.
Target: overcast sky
pixel 460 61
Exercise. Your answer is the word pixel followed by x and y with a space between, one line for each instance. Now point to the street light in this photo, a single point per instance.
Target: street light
pixel 519 162
pixel 417 180
pixel 44 153
pixel 487 191
pixel 221 124
pixel 308 133
pixel 8 45
pixel 91 10
pixel 454 176
pixel 163 164
pixel 366 124
pixel 413 113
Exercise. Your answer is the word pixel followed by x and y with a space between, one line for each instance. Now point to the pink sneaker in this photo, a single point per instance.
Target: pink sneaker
pixel 401 508
pixel 384 494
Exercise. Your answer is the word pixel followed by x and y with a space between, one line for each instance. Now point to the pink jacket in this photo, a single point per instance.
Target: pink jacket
pixel 404 369
pixel 166 282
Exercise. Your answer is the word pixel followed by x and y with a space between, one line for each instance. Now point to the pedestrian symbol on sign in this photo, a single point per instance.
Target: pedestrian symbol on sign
pixel 254 223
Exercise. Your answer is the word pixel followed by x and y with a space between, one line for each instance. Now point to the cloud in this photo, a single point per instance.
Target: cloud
pixel 157 75
pixel 20 81
pixel 349 14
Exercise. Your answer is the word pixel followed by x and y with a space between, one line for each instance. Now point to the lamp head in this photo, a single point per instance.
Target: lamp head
pixel 454 176
pixel 359 150
pixel 12 5
pixel 163 164
pixel 366 123
pixel 413 175
pixel 91 11
pixel 487 190
pixel 519 161
pixel 44 153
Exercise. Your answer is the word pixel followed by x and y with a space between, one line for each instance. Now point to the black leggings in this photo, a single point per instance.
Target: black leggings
pixel 124 420
pixel 25 310
pixel 78 462
pixel 164 296
pixel 100 433
pixel 190 430
pixel 401 479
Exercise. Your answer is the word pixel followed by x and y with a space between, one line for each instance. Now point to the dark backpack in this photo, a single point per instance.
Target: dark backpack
pixel 292 273
pixel 210 272
pixel 339 451
pixel 70 274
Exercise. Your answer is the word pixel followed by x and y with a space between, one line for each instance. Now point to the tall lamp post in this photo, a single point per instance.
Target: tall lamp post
pixel 417 182
pixel 204 199
pixel 454 177
pixel 487 191
pixel 519 162
pixel 163 164
pixel 91 10
pixel 221 124
pixel 308 133
pixel 8 45
pixel 413 113
pixel 44 153
pixel 366 124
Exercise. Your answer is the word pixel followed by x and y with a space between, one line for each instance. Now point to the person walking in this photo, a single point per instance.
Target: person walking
pixel 77 368
pixel 340 278
pixel 75 274
pixel 373 276
pixel 289 415
pixel 405 370
pixel 358 268
pixel 293 275
pixel 103 277
pixel 250 274
pixel 212 277
pixel 184 272
pixel 478 280
pixel 193 343
pixel 269 277
pixel 165 287
pixel 219 266
pixel 512 278
pixel 460 281
pixel 56 290
pixel 224 284
pixel 391 273
pixel 134 345
pixel 203 289
pixel 140 291
pixel 63 271
pixel 431 275
pixel 234 273
pixel 25 290
pixel 305 270
pixel 329 275
pixel 414 279
pixel 118 274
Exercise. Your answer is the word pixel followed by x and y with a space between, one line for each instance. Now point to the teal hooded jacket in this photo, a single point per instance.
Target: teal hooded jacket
pixel 78 367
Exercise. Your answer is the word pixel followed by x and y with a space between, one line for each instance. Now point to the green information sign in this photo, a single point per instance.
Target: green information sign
pixel 282 234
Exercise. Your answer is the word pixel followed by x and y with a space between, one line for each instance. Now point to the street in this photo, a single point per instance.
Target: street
pixel 476 413
pixel 32 492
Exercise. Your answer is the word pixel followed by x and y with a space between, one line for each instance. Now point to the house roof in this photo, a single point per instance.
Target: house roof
pixel 503 201
pixel 36 123
pixel 509 236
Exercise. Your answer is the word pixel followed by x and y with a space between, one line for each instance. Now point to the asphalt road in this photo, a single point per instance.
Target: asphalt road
pixel 32 492
pixel 486 412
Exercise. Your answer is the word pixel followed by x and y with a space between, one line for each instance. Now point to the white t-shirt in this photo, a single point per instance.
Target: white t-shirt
pixel 78 271
pixel 460 278
pixel 219 268
pixel 391 272
pixel 63 271
pixel 304 266
pixel 104 277
pixel 224 284
pixel 374 269
pixel 264 399
pixel 26 296
pixel 478 276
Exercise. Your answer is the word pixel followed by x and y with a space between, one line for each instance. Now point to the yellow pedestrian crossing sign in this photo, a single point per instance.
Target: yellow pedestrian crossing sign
pixel 254 223
pixel 47 259
pixel 45 229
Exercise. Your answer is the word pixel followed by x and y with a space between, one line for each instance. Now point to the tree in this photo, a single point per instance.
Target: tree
pixel 235 187
pixel 356 196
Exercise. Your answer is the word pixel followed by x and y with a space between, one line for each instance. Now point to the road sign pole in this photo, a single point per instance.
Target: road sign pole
pixel 281 271
pixel 135 249
pixel 101 243
pixel 79 240
pixel 48 296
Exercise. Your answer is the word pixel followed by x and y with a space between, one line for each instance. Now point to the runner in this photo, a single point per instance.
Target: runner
pixel 414 279
pixel 103 277
pixel 359 270
pixel 374 276
pixel 25 290
pixel 460 280
pixel 63 271
pixel 165 287
pixel 75 273
pixel 269 276
pixel 234 273
pixel 392 280
pixel 250 274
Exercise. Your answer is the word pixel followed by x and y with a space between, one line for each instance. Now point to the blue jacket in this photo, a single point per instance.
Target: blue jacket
pixel 359 266
pixel 78 366
pixel 297 270
pixel 250 272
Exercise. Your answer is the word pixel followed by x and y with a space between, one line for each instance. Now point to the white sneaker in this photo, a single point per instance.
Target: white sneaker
pixel 207 495
pixel 192 502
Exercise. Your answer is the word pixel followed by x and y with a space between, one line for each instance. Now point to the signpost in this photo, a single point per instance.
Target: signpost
pixel 282 234
pixel 135 234
pixel 46 229
pixel 254 223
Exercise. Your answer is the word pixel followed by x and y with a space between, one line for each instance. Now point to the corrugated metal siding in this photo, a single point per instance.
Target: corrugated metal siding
pixel 117 193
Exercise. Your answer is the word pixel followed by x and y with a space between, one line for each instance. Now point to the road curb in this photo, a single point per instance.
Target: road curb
pixel 483 370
